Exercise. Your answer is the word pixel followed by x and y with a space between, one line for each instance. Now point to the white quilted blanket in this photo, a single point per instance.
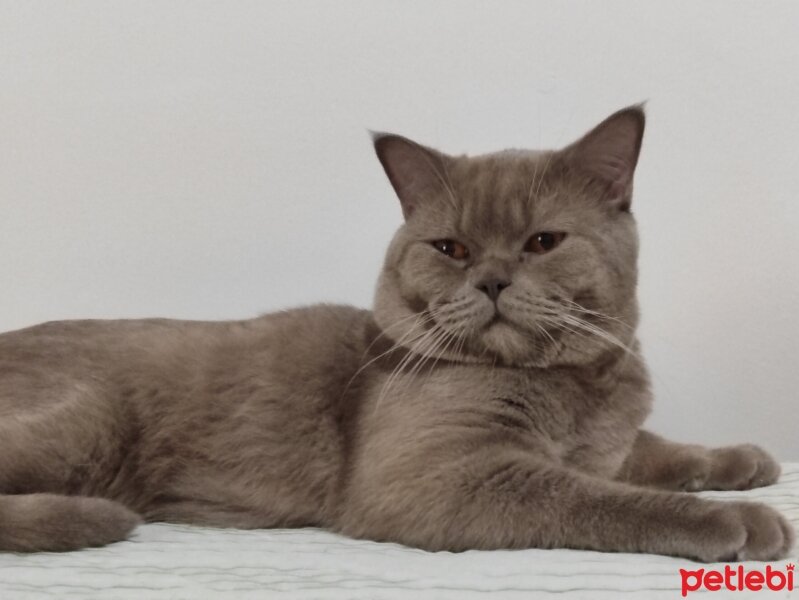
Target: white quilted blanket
pixel 176 562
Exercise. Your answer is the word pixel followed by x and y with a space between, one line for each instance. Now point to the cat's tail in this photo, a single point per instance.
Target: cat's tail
pixel 49 522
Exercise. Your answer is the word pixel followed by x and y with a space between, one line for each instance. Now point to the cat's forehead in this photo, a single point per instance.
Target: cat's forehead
pixel 502 194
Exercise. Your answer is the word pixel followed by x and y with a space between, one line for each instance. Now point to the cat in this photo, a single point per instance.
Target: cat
pixel 493 398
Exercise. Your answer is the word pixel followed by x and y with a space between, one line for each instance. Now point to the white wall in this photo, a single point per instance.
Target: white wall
pixel 210 160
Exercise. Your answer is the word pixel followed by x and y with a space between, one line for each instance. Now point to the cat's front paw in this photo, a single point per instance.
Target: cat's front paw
pixel 741 468
pixel 738 531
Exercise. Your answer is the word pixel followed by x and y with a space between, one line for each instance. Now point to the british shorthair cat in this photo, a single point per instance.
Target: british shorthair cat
pixel 493 397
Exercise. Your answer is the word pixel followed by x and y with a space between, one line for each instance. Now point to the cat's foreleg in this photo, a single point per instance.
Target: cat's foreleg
pixel 660 463
pixel 514 502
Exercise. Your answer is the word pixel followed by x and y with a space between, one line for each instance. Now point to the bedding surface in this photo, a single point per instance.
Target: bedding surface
pixel 176 562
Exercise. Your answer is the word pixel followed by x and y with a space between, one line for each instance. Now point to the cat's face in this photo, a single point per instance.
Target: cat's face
pixel 521 258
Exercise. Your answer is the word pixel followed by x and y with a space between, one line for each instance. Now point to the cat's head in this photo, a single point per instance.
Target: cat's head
pixel 518 257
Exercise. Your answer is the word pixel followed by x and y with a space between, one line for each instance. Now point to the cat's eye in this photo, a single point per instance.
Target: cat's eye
pixel 544 241
pixel 452 249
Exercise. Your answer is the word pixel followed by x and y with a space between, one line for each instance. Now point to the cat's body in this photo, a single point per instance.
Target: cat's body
pixel 170 417
pixel 456 415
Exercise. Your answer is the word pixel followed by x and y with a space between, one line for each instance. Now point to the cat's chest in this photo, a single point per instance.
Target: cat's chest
pixel 556 412
pixel 554 406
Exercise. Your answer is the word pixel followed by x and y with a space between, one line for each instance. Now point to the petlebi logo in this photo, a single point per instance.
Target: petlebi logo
pixel 737 579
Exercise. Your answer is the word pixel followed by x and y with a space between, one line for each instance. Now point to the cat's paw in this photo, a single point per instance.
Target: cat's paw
pixel 738 531
pixel 741 468
pixel 732 468
pixel 55 523
pixel 692 474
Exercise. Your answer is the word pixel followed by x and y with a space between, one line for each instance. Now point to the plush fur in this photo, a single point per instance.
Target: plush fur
pixel 492 399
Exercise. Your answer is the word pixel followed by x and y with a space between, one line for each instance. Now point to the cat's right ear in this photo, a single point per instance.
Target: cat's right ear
pixel 416 173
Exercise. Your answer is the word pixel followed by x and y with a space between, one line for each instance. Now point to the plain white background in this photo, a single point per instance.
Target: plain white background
pixel 209 160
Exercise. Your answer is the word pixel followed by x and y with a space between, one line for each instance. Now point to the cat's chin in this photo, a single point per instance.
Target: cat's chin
pixel 513 347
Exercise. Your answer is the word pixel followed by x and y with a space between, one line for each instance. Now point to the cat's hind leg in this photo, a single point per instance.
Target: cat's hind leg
pixel 58 436
pixel 59 445
pixel 656 462
pixel 50 522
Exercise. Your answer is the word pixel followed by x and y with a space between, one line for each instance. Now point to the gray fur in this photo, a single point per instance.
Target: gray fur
pixel 443 419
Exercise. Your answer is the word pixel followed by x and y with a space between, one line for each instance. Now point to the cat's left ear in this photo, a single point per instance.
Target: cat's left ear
pixel 609 153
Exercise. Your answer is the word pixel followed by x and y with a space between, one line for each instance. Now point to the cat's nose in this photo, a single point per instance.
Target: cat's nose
pixel 492 287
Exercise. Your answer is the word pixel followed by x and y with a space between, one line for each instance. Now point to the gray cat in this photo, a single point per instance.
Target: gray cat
pixel 492 399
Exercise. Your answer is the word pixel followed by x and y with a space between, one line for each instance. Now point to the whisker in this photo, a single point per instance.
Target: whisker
pixel 446 184
pixel 599 332
pixel 384 332
pixel 433 352
pixel 544 172
pixel 413 353
pixel 580 308
pixel 560 325
pixel 454 340
pixel 546 333
pixel 421 319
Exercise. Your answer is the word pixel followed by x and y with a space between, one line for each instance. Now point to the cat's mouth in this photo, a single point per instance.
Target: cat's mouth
pixel 496 319
pixel 540 331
